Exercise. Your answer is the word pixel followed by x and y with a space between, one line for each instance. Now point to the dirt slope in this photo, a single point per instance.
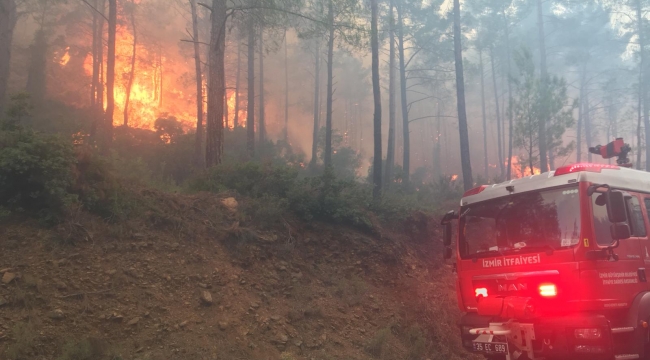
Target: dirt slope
pixel 188 277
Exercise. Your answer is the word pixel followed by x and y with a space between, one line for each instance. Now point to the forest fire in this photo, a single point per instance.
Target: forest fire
pixel 520 170
pixel 241 119
pixel 65 59
pixel 158 87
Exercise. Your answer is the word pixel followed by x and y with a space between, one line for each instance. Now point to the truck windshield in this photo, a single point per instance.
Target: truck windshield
pixel 530 221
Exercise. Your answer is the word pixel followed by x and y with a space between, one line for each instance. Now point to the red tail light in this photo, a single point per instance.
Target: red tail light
pixel 584 167
pixel 475 190
pixel 548 290
pixel 481 292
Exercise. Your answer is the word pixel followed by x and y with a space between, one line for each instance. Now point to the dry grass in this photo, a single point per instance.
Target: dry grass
pixel 25 336
pixel 378 344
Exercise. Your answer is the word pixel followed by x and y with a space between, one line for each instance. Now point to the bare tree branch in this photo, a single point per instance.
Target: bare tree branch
pixel 206 6
pixel 432 116
pixel 97 11
pixel 192 41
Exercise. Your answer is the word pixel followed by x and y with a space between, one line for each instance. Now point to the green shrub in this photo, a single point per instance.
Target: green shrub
pixel 266 211
pixel 250 179
pixel 35 173
pixel 43 175
pixel 94 183
pixel 330 199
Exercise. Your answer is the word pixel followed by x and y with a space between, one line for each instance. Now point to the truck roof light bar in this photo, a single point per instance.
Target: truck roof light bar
pixel 569 169
pixel 475 190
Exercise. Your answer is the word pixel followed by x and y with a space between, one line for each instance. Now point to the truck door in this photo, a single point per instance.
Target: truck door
pixel 618 282
pixel 638 231
pixel 645 242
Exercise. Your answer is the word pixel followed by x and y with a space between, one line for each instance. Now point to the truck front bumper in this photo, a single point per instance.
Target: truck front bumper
pixel 575 337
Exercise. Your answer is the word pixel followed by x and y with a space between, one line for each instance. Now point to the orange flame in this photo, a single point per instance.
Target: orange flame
pixel 232 97
pixel 454 177
pixel 65 59
pixel 149 99
pixel 520 170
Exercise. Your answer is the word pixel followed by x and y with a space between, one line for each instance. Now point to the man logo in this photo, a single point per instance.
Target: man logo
pixel 513 287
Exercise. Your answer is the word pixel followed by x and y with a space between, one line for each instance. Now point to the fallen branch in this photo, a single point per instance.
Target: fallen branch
pixel 84 294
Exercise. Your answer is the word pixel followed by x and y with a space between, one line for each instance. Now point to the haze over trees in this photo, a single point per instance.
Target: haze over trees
pixel 153 149
pixel 396 93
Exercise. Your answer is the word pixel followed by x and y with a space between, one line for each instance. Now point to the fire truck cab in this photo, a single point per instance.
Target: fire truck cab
pixel 553 266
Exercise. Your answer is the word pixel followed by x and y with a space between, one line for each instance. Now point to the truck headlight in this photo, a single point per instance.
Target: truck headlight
pixel 588 334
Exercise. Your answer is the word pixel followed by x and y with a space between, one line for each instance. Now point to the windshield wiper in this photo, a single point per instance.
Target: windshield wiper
pixel 475 256
pixel 549 249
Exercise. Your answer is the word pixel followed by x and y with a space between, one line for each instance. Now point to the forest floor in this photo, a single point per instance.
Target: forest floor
pixel 188 279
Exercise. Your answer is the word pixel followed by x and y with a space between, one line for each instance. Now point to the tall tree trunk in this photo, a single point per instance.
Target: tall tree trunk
pixel 587 119
pixel 95 76
pixel 437 166
pixel 37 70
pixel 99 101
pixel 129 86
pixel 485 144
pixel 510 114
pixel 543 152
pixel 160 84
pixel 638 126
pixel 226 117
pixel 390 150
pixel 286 90
pixel 581 113
pixel 110 72
pixel 250 109
pixel 235 121
pixel 643 88
pixel 262 119
pixel 346 117
pixel 314 142
pixel 98 73
pixel 216 86
pixel 406 135
pixel 330 78
pixel 198 142
pixel 496 104
pixel 376 91
pixel 468 181
pixel 8 19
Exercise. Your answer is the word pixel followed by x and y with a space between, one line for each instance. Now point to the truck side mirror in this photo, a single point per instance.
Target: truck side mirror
pixel 450 215
pixel 616 207
pixel 446 234
pixel 447 253
pixel 620 231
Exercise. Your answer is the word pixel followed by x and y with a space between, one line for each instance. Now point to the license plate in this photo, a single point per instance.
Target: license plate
pixel 491 348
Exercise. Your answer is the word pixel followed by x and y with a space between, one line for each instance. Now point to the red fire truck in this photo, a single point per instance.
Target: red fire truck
pixel 553 266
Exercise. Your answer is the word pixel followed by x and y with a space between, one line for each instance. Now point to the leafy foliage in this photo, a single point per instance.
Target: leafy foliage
pixel 536 100
pixel 329 198
pixel 249 179
pixel 35 173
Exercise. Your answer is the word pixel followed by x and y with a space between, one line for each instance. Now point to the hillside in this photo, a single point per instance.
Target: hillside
pixel 188 279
